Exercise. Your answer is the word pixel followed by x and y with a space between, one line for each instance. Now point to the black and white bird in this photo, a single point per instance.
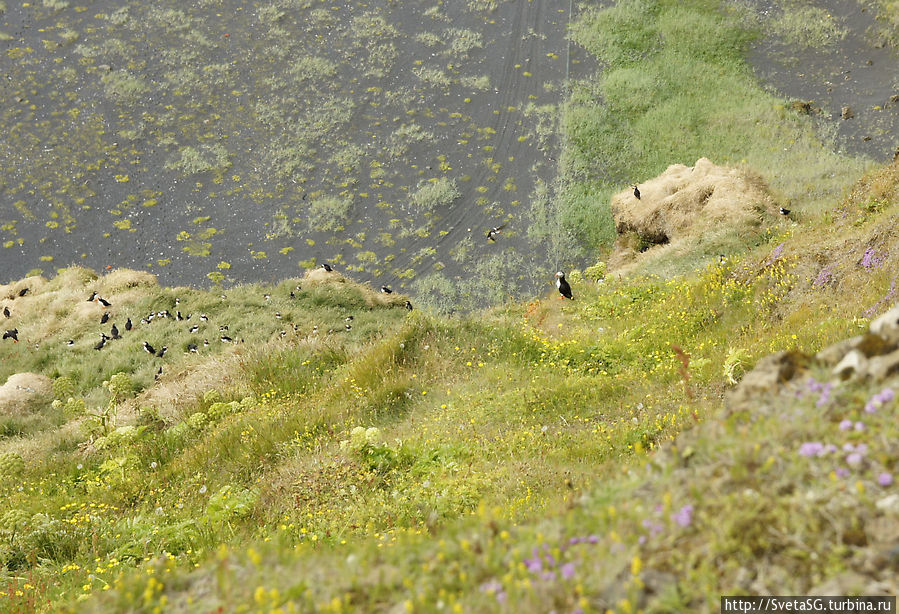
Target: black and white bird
pixel 178 316
pixel 128 324
pixel 158 374
pixel 327 267
pixel 23 292
pixel 114 332
pixel 70 342
pixel 105 318
pixel 348 327
pixel 92 297
pixel 161 351
pixel 636 192
pixel 149 348
pixel 102 343
pixel 104 302
pixel 6 313
pixel 348 319
pixel 563 286
pixel 192 348
pixel 408 305
pixel 12 334
pixel 205 343
pixel 386 290
pixel 784 211
pixel 194 328
pixel 226 339
pixel 223 328
pixel 278 315
pixel 204 317
pixel 491 234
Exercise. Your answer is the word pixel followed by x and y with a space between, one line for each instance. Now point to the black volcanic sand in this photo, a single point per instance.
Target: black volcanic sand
pixel 240 142
pixel 843 61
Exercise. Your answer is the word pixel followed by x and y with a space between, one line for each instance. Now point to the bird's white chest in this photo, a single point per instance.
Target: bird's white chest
pixel 558 283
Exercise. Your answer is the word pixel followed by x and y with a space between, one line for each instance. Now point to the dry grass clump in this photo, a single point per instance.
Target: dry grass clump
pixel 373 298
pixel 11 290
pixel 687 202
pixel 24 393
pixel 122 279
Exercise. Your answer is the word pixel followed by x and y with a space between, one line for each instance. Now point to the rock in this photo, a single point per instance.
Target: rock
pixel 769 373
pixel 889 504
pixel 833 354
pixel 881 367
pixel 847 112
pixel 853 363
pixel 846 583
pixel 887 326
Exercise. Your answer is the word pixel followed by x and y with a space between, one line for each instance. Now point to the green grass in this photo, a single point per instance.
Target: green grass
pixel 482 438
pixel 674 87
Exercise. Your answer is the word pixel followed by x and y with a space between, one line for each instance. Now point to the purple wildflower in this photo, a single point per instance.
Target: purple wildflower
pixel 859 426
pixel 592 539
pixel 885 479
pixel 842 472
pixel 684 516
pixel 811 448
pixel 641 540
pixel 848 447
pixel 871 260
pixel 825 276
pixel 568 571
pixel 854 459
pixel 846 425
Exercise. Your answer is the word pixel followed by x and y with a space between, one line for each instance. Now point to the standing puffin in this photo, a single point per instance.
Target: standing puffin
pixel 6 313
pixel 491 234
pixel 327 267
pixel 563 286
pixel 12 334
pixel 636 192
pixel 386 290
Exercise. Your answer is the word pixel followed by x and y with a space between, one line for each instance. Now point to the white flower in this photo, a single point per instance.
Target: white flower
pixel 203 489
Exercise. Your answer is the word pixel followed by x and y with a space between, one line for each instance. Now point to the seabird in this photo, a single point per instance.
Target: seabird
pixel 226 339
pixel 105 318
pixel 70 342
pixel 92 297
pixel 204 317
pixel 223 328
pixel 327 267
pixel 23 292
pixel 128 324
pixel 114 331
pixel 6 312
pixel 637 192
pixel 349 318
pixel 205 343
pixel 386 290
pixel 267 297
pixel 179 317
pixel 104 302
pixel 102 342
pixel 292 295
pixel 348 327
pixel 408 305
pixel 158 373
pixel 491 235
pixel 149 348
pixel 12 334
pixel 192 347
pixel 563 286
pixel 194 328
pixel 278 314
pixel 784 211
pixel 161 351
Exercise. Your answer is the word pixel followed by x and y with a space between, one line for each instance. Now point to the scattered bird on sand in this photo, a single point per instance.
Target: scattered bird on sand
pixel 192 348
pixel 23 292
pixel 128 324
pixel 784 211
pixel 386 290
pixel 92 297
pixel 102 342
pixel 563 286
pixel 161 351
pixel 149 348
pixel 327 267
pixel 6 312
pixel 104 302
pixel 491 234
pixel 105 318
pixel 12 334
pixel 115 331
pixel 408 305
pixel 636 192
pixel 194 328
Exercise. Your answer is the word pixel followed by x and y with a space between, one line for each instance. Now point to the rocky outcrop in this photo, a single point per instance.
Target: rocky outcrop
pixel 24 393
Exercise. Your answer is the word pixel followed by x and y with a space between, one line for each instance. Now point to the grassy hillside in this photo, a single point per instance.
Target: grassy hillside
pixel 533 456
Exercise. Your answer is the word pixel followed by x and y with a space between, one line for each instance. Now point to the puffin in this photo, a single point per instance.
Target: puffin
pixel 23 292
pixel 327 267
pixel 92 297
pixel 70 342
pixel 491 234
pixel 128 324
pixel 386 290
pixel 192 348
pixel 102 342
pixel 161 351
pixel 104 302
pixel 6 312
pixel 105 318
pixel 194 328
pixel 784 211
pixel 12 334
pixel 226 339
pixel 563 286
pixel 115 331
pixel 636 192
pixel 149 348
pixel 408 305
